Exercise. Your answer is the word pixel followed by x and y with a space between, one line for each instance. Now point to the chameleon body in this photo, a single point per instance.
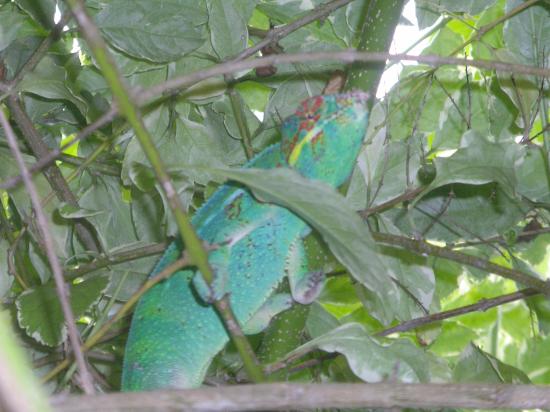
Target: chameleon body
pixel 174 334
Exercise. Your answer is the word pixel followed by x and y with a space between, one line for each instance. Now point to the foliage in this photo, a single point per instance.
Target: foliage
pixel 476 140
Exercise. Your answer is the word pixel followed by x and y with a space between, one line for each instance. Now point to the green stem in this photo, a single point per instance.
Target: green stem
pixel 377 29
pixel 238 112
pixel 197 253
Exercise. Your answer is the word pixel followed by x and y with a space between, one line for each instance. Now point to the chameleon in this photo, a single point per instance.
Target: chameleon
pixel 175 333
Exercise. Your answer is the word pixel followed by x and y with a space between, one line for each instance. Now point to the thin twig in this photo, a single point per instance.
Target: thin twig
pixel 421 247
pixel 483 30
pixel 100 166
pixel 46 234
pixel 525 235
pixel 454 103
pixel 79 170
pixel 238 112
pixel 53 155
pixel 346 56
pixel 419 112
pixel 482 305
pixel 115 259
pixel 406 196
pixel 469 90
pixel 53 175
pixel 276 34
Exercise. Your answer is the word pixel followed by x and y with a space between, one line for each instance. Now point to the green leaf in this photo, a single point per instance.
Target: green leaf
pixel 522 90
pixel 180 142
pixel 390 177
pixel 528 33
pixel 142 176
pixel 418 102
pixel 227 21
pixel 39 311
pixel 42 11
pixel 533 175
pixel 320 320
pixel 452 339
pixel 477 366
pixel 22 204
pixel 259 20
pixel 444 40
pixel 535 359
pixel 493 39
pixel 276 304
pixel 460 212
pixel 471 103
pixel 373 360
pixel 49 81
pixel 477 163
pixel 111 217
pixel 15 25
pixel 159 31
pixel 428 11
pixel 225 108
pixel 255 95
pixel 342 229
pixel 147 211
pixel 284 334
pixel 346 20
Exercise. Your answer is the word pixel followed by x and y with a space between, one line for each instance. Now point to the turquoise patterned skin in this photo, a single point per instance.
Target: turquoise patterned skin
pixel 175 334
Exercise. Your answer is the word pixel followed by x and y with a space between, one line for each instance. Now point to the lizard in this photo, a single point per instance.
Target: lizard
pixel 175 333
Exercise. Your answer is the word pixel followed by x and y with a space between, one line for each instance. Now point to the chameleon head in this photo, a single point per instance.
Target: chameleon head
pixel 322 139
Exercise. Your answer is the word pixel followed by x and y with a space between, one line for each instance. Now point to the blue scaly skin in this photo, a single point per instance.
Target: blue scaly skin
pixel 174 334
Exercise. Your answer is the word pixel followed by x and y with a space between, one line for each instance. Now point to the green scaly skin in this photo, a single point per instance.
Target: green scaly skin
pixel 174 334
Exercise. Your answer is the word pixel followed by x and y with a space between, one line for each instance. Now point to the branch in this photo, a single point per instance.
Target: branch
pixel 99 166
pixel 483 30
pixel 115 259
pixel 276 34
pixel 46 234
pixel 347 56
pixel 421 247
pixel 481 305
pixel 172 85
pixel 285 396
pixel 408 195
pixel 52 173
pixel 53 155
